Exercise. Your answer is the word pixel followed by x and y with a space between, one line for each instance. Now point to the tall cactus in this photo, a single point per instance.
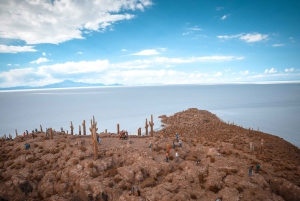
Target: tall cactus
pixel 72 128
pixel 83 127
pixel 41 128
pixel 79 130
pixel 118 128
pixel 146 126
pixel 151 126
pixel 94 140
pixel 51 134
pixel 16 132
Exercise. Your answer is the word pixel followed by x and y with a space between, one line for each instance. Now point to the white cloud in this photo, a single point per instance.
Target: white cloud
pixel 255 37
pixel 195 28
pixel 44 54
pixel 246 72
pixel 146 52
pixel 8 64
pixel 79 53
pixel 278 45
pixel 218 74
pixel 186 33
pixel 40 60
pixel 224 17
pixel 249 37
pixel 288 70
pixel 154 70
pixel 272 70
pixel 45 21
pixel 123 50
pixel 292 39
pixel 219 8
pixel 15 49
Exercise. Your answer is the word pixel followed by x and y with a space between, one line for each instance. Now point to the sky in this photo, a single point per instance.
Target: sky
pixel 138 42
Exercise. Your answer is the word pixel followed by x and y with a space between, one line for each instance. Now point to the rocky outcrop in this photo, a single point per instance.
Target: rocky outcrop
pixel 64 168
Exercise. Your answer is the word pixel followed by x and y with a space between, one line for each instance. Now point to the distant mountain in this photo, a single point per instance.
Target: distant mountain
pixel 63 84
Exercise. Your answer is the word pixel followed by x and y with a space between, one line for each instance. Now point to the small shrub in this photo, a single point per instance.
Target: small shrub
pixel 67 158
pixel 94 174
pixel 117 179
pixel 234 171
pixel 212 159
pixel 171 157
pixel 111 172
pixel 214 188
pixel 239 188
pixel 82 148
pixel 158 148
pixel 110 184
pixel 194 196
pixel 201 178
pixel 149 182
pixel 30 160
pixel 54 151
pixel 90 165
pixel 81 158
pixel 190 158
pixel 75 161
pixel 125 187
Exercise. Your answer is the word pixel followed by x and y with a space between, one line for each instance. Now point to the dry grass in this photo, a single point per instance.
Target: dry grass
pixel 90 165
pixel 149 182
pixel 190 158
pixel 110 172
pixel 82 148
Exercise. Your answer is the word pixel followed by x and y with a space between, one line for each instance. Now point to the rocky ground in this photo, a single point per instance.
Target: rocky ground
pixel 63 168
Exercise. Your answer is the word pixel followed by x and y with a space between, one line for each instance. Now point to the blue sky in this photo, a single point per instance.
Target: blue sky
pixel 135 42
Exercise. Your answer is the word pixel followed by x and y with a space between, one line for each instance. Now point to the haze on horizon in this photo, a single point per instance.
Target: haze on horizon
pixel 148 41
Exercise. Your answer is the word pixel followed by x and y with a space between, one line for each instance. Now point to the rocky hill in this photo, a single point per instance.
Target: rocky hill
pixel 63 168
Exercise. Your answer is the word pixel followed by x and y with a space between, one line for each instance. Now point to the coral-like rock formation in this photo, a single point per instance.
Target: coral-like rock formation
pixel 212 162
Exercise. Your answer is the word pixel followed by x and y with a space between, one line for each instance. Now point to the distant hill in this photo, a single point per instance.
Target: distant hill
pixel 63 84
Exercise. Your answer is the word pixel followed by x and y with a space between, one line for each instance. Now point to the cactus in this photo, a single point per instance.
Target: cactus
pixel 41 128
pixel 94 140
pixel 261 145
pixel 51 134
pixel 16 132
pixel 139 131
pixel 146 126
pixel 118 128
pixel 79 130
pixel 83 127
pixel 151 126
pixel 72 128
pixel 93 126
